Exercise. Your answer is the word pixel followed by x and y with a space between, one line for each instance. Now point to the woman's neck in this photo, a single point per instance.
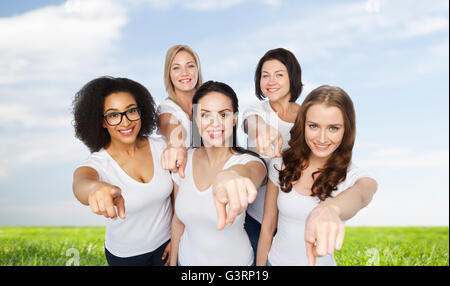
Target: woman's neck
pixel 184 99
pixel 119 149
pixel 217 155
pixel 316 162
pixel 282 106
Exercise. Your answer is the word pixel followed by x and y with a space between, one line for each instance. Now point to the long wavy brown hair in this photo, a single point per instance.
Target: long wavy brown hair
pixel 296 157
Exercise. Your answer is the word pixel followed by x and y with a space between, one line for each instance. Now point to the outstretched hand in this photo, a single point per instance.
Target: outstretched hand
pixel 324 233
pixel 269 141
pixel 174 159
pixel 103 200
pixel 229 188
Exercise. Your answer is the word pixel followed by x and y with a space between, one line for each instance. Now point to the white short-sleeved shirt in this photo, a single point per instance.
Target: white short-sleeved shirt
pixel 201 242
pixel 263 109
pixel 288 246
pixel 148 207
pixel 169 106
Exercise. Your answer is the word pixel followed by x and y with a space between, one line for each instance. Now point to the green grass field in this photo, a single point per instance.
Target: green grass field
pixel 389 246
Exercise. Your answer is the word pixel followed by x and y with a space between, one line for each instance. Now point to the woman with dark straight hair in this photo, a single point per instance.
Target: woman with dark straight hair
pixel 278 78
pixel 314 186
pixel 214 170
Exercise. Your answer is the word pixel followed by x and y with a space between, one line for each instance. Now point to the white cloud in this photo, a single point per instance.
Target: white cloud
pixel 406 159
pixel 16 114
pixel 195 5
pixel 272 3
pixel 373 6
pixel 36 149
pixel 58 42
pixel 424 26
pixel 3 174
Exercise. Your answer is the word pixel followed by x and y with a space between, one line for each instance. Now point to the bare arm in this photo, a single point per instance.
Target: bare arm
pixel 85 181
pixel 172 129
pixel 350 201
pixel 100 196
pixel 177 230
pixel 236 186
pixel 174 157
pixel 255 171
pixel 269 223
pixel 324 230
pixel 268 140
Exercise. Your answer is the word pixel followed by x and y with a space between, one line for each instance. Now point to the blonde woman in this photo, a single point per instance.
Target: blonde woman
pixel 182 77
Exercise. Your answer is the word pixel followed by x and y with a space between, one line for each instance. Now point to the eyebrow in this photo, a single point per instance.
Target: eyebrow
pixel 217 111
pixel 275 71
pixel 333 124
pixel 114 109
pixel 189 62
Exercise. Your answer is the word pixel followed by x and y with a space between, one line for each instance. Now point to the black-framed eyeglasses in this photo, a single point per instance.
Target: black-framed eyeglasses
pixel 115 118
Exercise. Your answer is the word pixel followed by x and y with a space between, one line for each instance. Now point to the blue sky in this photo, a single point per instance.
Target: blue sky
pixel 390 56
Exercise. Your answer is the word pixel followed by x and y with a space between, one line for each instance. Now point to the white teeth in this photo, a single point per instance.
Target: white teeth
pixel 321 146
pixel 216 133
pixel 126 131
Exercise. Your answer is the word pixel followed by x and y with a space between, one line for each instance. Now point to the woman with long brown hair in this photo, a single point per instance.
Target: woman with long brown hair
pixel 320 186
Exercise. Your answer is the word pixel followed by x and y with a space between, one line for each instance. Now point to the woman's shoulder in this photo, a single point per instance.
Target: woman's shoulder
pixel 97 160
pixel 355 171
pixel 169 103
pixel 244 158
pixel 168 106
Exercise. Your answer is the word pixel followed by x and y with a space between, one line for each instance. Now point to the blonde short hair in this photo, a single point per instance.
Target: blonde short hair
pixel 171 53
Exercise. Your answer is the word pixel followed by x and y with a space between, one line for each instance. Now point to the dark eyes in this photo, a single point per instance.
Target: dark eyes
pixel 131 111
pixel 223 115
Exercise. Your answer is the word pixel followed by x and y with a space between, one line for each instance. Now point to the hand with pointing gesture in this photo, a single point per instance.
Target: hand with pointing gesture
pixel 103 200
pixel 268 141
pixel 174 159
pixel 324 232
pixel 235 190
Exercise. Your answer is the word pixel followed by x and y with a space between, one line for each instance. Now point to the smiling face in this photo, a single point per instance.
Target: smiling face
pixel 324 130
pixel 215 119
pixel 183 72
pixel 127 131
pixel 274 81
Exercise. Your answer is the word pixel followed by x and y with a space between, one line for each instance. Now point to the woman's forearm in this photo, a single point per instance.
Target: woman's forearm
pixel 264 245
pixel 177 230
pixel 350 201
pixel 85 181
pixel 173 130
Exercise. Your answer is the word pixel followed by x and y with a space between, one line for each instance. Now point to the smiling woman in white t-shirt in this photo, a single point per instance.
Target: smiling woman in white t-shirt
pixel 217 166
pixel 182 77
pixel 315 186
pixel 113 118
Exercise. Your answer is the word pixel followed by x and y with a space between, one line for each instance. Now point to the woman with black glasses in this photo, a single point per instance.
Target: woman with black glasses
pixel 123 176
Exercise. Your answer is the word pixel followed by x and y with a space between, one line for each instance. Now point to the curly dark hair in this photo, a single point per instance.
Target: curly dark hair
pixel 88 105
pixel 296 157
pixel 293 67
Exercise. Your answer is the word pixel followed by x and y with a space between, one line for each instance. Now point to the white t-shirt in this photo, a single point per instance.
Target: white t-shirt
pixel 169 106
pixel 201 243
pixel 288 246
pixel 263 109
pixel 148 207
